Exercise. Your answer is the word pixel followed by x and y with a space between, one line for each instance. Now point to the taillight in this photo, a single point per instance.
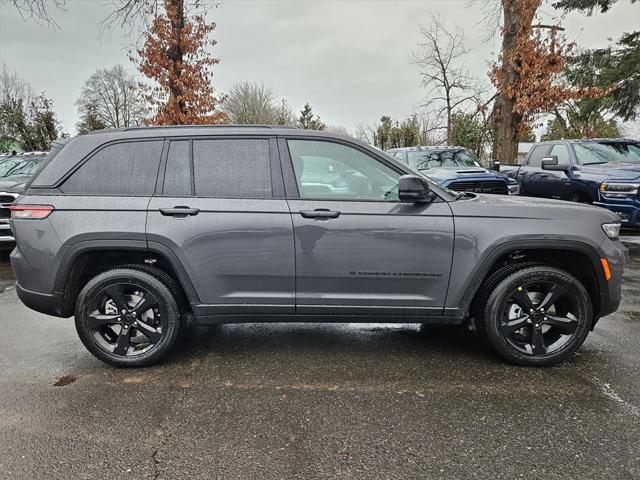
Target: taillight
pixel 30 211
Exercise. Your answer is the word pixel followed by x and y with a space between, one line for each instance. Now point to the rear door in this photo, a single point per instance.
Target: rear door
pixel 359 250
pixel 220 209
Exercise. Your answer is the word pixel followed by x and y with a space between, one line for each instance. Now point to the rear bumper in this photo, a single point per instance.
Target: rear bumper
pixel 47 303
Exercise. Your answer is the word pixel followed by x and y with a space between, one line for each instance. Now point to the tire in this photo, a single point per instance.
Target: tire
pixel 139 337
pixel 538 316
pixel 487 288
pixel 165 278
pixel 578 197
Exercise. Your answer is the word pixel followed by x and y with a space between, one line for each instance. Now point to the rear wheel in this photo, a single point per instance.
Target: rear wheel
pixel 127 318
pixel 538 316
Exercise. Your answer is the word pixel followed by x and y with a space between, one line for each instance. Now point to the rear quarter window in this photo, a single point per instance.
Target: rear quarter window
pixel 123 169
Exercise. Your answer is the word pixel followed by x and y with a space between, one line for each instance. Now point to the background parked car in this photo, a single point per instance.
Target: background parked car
pixel 15 172
pixel 605 172
pixel 455 168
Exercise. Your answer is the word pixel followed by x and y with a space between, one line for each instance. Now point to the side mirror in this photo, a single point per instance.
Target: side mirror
pixel 551 163
pixel 495 165
pixel 413 189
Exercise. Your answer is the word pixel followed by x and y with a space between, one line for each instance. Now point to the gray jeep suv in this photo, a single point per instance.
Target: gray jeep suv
pixel 134 230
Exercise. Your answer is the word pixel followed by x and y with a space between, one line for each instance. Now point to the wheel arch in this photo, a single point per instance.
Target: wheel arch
pixel 87 259
pixel 578 258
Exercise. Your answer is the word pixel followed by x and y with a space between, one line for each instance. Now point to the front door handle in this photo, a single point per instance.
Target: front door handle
pixel 544 175
pixel 319 213
pixel 179 211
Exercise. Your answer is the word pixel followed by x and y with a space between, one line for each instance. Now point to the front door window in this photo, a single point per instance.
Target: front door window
pixel 331 171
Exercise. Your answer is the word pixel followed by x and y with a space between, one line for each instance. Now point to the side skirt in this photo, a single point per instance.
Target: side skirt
pixel 213 314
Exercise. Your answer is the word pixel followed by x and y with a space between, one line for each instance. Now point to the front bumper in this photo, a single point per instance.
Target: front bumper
pixel 627 211
pixel 617 256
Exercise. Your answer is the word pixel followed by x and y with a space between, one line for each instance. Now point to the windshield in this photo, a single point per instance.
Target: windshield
pixel 592 152
pixel 425 160
pixel 8 164
pixel 23 168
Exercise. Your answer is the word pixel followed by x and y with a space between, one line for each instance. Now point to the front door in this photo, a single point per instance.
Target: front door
pixel 533 179
pixel 560 182
pixel 359 250
pixel 218 212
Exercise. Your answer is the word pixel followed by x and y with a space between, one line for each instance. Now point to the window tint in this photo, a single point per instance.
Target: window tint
pixel 562 152
pixel 326 170
pixel 177 173
pixel 536 156
pixel 232 168
pixel 128 168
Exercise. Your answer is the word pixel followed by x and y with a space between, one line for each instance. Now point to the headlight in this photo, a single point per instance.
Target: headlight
pixel 618 190
pixel 514 189
pixel 612 230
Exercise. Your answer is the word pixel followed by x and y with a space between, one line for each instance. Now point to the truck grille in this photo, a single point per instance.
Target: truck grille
pixel 6 199
pixel 495 186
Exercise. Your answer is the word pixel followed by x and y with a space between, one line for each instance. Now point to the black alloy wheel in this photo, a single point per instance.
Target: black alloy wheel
pixel 127 317
pixel 538 316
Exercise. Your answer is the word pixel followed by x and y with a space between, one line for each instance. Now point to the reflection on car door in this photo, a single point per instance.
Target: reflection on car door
pixel 359 250
pixel 218 211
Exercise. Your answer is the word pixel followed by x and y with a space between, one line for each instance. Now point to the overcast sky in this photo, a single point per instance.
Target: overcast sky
pixel 349 59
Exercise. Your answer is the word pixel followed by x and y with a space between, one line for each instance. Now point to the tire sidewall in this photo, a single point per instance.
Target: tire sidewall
pixel 497 304
pixel 134 277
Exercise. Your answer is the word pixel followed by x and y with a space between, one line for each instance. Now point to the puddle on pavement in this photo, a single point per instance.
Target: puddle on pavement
pixel 64 381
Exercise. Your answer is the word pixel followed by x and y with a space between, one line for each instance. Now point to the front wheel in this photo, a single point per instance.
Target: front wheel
pixel 538 316
pixel 127 318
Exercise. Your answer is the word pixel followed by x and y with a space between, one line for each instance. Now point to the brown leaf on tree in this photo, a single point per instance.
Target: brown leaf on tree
pixel 527 74
pixel 174 57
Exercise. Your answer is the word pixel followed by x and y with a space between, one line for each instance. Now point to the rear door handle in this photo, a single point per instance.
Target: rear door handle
pixel 544 175
pixel 179 211
pixel 319 213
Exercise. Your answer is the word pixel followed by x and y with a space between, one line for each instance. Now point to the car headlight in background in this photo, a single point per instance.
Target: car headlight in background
pixel 619 190
pixel 612 230
pixel 514 188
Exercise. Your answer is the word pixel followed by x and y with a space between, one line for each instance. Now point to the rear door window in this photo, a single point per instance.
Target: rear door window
pixel 232 168
pixel 121 169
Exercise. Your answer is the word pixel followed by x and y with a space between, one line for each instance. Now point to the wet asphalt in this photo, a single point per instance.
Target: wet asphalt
pixel 317 401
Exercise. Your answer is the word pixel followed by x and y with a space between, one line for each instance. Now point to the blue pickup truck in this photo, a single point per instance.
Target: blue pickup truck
pixel 604 172
pixel 455 168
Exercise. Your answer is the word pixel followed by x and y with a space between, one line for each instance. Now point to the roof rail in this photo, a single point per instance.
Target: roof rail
pixel 224 125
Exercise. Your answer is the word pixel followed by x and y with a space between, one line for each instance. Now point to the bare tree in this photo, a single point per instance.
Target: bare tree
pixel 110 98
pixel 340 130
pixel 12 87
pixel 36 10
pixel 450 86
pixel 138 15
pixel 253 103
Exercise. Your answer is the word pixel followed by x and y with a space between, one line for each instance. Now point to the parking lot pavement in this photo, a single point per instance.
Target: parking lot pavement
pixel 318 401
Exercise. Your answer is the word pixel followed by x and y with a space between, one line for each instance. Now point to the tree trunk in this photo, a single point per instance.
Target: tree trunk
pixel 506 121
